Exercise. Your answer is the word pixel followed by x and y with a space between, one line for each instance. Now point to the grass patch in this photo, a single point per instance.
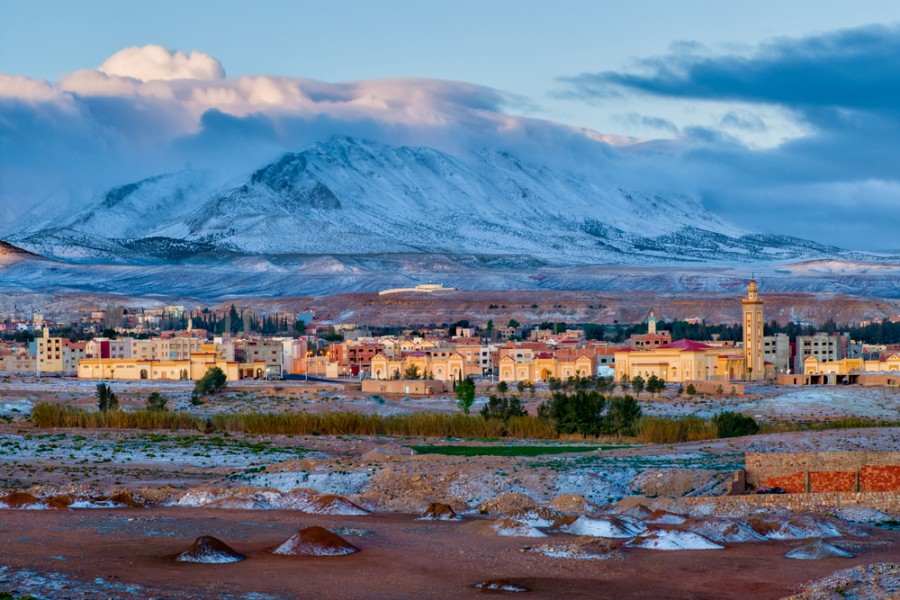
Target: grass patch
pixel 506 450
pixel 661 430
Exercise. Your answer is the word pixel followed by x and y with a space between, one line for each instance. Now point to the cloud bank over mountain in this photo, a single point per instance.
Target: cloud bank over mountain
pixel 147 110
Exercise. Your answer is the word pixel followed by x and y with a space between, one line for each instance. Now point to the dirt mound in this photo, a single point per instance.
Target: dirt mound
pixel 510 503
pixel 876 581
pixel 500 585
pixel 438 511
pixel 504 527
pixel 581 548
pixel 235 503
pixel 664 517
pixel 60 501
pixel 207 549
pixel 331 504
pixel 297 499
pixel 633 506
pixel 793 528
pixel 672 538
pixel 573 503
pixel 125 498
pixel 20 500
pixel 722 530
pixel 673 483
pixel 605 527
pixel 315 541
pixel 817 550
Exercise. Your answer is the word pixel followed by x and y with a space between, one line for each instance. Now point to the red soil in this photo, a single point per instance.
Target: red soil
pixel 401 558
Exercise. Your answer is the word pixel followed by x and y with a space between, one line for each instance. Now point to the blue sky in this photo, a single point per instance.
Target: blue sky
pixel 721 84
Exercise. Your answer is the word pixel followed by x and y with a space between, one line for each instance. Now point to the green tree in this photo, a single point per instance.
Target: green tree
pixel 513 324
pixel 156 402
pixel 623 413
pixel 213 381
pixel 490 326
pixel 411 372
pixel 502 387
pixel 503 408
pixel 655 384
pixel 637 384
pixel 581 412
pixel 690 389
pixel 465 394
pixel 106 399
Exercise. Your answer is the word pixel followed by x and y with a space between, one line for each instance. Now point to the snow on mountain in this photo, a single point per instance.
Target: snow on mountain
pixel 354 197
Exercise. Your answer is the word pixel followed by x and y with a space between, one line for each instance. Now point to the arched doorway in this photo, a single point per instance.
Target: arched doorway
pixel 143 373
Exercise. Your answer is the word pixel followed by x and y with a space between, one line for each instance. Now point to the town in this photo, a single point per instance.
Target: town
pixel 178 343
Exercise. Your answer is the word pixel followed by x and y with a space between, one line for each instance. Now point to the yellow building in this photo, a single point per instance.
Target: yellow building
pixel 443 366
pixel 754 364
pixel 542 367
pixel 681 361
pixel 193 368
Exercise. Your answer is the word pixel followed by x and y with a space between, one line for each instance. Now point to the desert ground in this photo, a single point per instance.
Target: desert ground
pixel 87 513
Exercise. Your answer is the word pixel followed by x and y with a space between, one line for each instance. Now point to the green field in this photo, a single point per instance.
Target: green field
pixel 506 450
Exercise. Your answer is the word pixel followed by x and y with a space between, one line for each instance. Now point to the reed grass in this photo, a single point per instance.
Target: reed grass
pixel 660 430
pixel 300 423
pixel 53 415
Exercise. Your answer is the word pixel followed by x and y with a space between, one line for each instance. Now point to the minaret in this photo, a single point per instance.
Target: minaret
pixel 754 366
pixel 651 323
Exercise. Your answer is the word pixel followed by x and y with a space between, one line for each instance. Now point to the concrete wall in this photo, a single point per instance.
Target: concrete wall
pixel 418 387
pixel 711 387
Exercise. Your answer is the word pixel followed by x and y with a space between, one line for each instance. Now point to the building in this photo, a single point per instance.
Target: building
pixel 777 350
pixel 687 360
pixel 824 347
pixel 754 361
pixel 651 339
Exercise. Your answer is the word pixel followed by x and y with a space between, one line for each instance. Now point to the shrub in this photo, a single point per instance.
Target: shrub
pixel 156 402
pixel 503 408
pixel 732 424
pixel 502 387
pixel 691 390
pixel 213 381
pixel 621 416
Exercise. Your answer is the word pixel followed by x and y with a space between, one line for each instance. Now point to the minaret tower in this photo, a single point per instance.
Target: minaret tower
pixel 651 323
pixel 754 367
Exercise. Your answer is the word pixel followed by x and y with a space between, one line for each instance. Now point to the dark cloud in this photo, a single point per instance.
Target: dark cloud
pixel 857 69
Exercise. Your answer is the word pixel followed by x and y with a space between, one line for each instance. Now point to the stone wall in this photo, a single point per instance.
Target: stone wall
pixel 811 472
pixel 888 503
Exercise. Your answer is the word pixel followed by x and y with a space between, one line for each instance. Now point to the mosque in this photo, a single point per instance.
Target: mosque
pixel 687 360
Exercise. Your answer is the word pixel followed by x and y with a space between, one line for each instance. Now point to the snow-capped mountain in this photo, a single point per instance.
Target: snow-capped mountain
pixel 353 197
pixel 355 215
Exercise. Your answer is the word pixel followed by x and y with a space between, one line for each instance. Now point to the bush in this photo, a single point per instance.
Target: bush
pixel 732 424
pixel 691 390
pixel 621 416
pixel 213 381
pixel 503 408
pixel 581 412
pixel 156 402
pixel 502 387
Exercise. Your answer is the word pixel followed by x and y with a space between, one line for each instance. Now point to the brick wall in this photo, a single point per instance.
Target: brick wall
pixel 879 479
pixel 799 472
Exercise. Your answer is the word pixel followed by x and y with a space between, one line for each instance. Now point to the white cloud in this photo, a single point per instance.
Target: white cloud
pixel 147 63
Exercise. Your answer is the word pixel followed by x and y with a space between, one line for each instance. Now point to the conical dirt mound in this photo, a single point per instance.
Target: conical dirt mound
pixel 438 511
pixel 20 500
pixel 818 550
pixel 207 549
pixel 315 541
